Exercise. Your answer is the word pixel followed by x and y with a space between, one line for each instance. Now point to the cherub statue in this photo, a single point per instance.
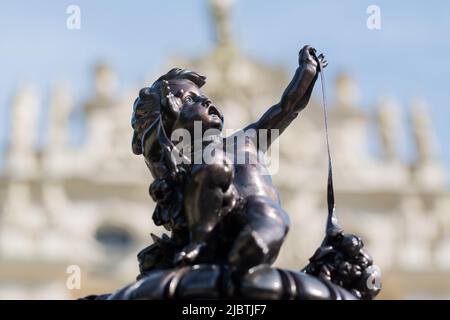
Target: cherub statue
pixel 227 225
pixel 232 210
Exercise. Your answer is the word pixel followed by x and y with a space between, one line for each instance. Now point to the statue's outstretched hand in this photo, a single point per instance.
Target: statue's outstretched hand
pixel 308 56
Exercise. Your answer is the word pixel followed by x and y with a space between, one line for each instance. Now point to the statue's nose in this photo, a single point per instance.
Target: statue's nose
pixel 206 102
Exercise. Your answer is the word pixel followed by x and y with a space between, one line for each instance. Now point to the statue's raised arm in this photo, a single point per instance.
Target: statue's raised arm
pixel 295 97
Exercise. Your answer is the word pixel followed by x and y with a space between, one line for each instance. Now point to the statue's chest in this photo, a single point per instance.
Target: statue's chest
pixel 242 151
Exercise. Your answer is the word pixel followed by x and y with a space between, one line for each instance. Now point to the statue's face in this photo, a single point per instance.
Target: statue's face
pixel 195 106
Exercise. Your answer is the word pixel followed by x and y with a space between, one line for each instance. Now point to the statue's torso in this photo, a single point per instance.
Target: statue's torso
pixel 251 175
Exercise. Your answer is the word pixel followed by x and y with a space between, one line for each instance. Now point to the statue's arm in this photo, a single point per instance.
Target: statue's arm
pixel 295 97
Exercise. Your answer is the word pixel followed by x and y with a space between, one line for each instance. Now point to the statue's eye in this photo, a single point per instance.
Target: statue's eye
pixel 189 100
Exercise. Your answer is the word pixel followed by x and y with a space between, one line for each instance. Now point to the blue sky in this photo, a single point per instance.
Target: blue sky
pixel 408 57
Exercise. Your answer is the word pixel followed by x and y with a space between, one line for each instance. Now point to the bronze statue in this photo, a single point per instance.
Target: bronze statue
pixel 227 225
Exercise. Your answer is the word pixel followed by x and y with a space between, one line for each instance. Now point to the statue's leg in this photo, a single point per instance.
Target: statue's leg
pixel 206 195
pixel 260 240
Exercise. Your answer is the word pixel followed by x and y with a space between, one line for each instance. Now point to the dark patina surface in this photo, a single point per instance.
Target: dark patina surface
pixel 225 219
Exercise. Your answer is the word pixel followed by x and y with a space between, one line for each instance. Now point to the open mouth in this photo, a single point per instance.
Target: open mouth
pixel 212 111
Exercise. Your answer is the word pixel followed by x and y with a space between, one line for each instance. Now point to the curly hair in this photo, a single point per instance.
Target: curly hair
pixel 148 120
pixel 147 106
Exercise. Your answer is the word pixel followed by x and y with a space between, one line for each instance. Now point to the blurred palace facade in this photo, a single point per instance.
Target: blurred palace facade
pixel 62 205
